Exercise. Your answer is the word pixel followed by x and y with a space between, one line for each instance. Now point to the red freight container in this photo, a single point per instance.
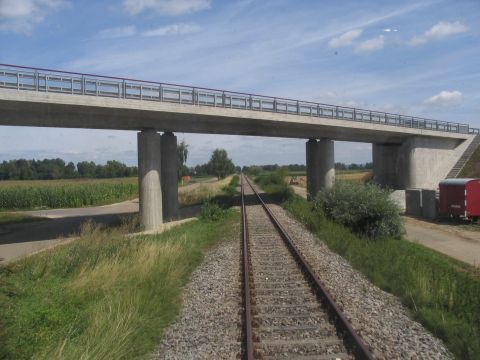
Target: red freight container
pixel 460 197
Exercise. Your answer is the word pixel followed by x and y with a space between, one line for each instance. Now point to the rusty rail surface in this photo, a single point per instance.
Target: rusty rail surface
pixel 358 347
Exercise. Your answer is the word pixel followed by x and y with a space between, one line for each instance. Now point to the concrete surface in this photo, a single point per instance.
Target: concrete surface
pixel 169 176
pixel 418 162
pixel 326 163
pixel 29 108
pixel 149 175
pixel 313 170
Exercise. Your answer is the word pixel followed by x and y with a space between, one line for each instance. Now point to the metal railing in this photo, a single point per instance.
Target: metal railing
pixel 54 81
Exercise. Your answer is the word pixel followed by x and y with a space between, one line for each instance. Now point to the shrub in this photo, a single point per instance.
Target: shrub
pixel 364 208
pixel 275 185
pixel 212 211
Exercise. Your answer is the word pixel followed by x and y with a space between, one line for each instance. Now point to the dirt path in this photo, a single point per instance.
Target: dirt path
pixel 458 243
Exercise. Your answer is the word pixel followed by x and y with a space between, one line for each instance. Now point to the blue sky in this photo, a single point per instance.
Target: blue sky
pixel 413 57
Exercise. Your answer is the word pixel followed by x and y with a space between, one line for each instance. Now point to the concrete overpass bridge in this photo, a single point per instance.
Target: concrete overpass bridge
pixel 407 151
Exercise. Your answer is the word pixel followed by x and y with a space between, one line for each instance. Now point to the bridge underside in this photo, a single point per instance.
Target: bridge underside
pixel 24 108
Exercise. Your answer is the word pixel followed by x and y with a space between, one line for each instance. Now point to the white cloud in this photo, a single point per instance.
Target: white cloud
pixel 22 15
pixel 118 32
pixel 174 29
pixel 444 98
pixel 345 39
pixel 438 31
pixel 166 7
pixel 371 44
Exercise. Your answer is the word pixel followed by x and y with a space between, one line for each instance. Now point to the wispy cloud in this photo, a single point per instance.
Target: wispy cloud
pixel 445 98
pixel 118 32
pixel 376 43
pixel 131 30
pixel 174 29
pixel 345 39
pixel 22 15
pixel 439 31
pixel 166 7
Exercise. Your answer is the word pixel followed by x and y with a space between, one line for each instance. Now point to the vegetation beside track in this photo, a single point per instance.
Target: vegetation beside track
pixel 38 194
pixel 16 218
pixel 442 293
pixel 103 296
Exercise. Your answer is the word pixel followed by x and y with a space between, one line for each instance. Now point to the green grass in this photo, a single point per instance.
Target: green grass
pixel 442 293
pixel 104 296
pixel 14 218
pixel 22 195
pixel 472 167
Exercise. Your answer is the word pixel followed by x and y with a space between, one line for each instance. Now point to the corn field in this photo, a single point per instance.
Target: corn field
pixel 65 194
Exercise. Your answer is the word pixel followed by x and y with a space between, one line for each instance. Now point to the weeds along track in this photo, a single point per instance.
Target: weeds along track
pixel 288 313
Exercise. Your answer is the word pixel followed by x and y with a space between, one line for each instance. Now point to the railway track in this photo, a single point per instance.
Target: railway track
pixel 288 313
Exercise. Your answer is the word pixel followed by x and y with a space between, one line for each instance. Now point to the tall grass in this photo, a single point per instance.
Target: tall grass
pixel 103 296
pixel 275 184
pixel 60 194
pixel 442 293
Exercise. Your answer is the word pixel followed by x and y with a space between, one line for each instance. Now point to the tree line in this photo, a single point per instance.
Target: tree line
pixel 52 169
pixel 257 169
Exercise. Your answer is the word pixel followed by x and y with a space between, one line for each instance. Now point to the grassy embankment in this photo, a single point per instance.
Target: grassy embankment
pixel 104 296
pixel 15 218
pixel 442 293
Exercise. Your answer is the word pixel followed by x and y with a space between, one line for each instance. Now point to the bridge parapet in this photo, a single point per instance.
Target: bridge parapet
pixel 55 81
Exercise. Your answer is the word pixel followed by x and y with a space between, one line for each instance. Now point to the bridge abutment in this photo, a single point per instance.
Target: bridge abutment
pixel 418 162
pixel 169 176
pixel 149 179
pixel 320 162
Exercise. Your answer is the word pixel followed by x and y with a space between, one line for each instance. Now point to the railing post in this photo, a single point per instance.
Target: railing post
pixel 83 85
pixel 71 84
pixel 36 79
pixel 161 92
pixel 371 120
pixel 18 81
pixel 124 89
pixel 193 96
pixel 354 115
pixel 251 103
pixel 318 110
pixel 275 105
pixel 336 112
pixel 223 99
pixel 298 108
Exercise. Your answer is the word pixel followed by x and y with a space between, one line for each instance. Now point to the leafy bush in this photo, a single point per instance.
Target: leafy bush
pixel 275 185
pixel 212 211
pixel 364 208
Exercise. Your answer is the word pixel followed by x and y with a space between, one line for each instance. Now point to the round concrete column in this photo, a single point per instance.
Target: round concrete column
pixel 313 174
pixel 169 176
pixel 326 163
pixel 150 191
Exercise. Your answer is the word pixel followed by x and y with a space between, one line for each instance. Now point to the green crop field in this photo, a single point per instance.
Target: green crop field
pixel 38 194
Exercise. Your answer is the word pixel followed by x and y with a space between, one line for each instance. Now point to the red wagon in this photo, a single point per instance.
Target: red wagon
pixel 460 198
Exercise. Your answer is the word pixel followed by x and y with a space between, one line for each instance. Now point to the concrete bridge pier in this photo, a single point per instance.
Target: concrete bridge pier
pixel 326 163
pixel 149 179
pixel 320 161
pixel 169 176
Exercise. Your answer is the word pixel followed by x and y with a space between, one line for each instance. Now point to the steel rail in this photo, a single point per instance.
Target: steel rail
pixel 249 101
pixel 359 347
pixel 248 332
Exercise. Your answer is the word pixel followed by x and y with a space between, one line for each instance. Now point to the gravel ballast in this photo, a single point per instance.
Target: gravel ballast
pixel 378 317
pixel 209 324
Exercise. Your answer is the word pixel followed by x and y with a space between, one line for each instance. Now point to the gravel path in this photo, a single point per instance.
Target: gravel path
pixel 209 324
pixel 381 320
